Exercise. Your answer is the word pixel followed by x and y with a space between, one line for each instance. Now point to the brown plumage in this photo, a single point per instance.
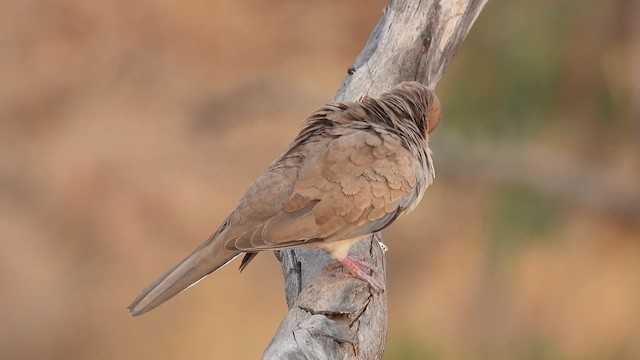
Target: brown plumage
pixel 352 170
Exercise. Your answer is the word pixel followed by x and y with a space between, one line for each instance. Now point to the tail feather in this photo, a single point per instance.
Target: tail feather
pixel 188 272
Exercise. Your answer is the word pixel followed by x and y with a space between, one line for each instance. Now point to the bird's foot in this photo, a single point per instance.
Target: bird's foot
pixel 358 269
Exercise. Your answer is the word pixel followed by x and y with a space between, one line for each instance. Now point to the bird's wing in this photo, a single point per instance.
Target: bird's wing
pixel 348 185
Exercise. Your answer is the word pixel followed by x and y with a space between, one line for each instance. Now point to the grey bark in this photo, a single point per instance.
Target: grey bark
pixel 340 318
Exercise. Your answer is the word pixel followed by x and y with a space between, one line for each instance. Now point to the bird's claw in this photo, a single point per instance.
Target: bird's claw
pixel 356 268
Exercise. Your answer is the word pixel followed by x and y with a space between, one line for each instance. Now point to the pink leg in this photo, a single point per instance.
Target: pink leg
pixel 356 268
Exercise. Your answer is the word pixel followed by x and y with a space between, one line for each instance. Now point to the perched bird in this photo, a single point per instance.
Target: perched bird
pixel 353 169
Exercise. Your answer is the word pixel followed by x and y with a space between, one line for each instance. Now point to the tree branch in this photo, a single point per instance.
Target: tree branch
pixel 339 318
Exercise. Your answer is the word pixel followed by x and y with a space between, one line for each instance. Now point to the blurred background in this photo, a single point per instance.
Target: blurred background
pixel 128 131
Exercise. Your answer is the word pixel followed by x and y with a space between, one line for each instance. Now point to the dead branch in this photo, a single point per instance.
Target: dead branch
pixel 339 318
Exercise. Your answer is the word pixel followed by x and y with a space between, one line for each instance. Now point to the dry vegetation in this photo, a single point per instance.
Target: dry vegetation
pixel 129 129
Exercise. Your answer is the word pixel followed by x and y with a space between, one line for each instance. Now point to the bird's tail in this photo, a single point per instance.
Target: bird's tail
pixel 209 257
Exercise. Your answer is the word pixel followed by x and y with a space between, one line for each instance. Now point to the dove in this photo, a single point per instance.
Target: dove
pixel 351 171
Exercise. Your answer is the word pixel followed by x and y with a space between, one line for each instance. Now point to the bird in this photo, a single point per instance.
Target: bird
pixel 350 172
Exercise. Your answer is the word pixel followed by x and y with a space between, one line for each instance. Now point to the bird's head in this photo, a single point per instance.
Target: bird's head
pixel 418 102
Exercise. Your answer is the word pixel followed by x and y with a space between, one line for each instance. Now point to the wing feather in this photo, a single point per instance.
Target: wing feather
pixel 346 186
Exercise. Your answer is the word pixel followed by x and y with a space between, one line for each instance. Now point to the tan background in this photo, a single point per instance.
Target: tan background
pixel 128 130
